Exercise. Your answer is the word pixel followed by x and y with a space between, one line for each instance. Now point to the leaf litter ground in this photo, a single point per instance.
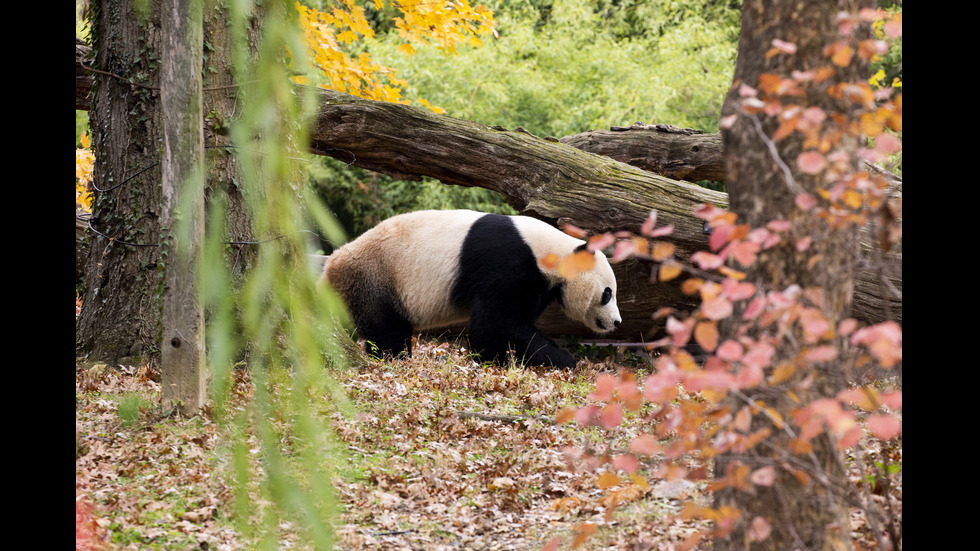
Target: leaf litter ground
pixel 443 453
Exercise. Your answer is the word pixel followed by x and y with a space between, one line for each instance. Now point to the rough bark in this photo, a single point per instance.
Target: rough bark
pixel 763 181
pixel 677 153
pixel 120 317
pixel 120 320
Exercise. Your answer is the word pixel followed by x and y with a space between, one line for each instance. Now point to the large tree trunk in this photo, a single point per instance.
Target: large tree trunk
pixel 120 319
pixel 121 313
pixel 762 187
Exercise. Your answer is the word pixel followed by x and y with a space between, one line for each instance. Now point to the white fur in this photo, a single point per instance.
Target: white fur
pixel 417 255
pixel 581 299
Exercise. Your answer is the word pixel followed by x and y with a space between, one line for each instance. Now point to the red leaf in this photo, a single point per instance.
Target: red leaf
pixel 805 201
pixel 756 306
pixel 847 327
pixel 600 242
pixel 764 476
pixel 717 308
pixel 783 46
pixel 804 243
pixel 623 250
pixel 605 384
pixel 719 236
pixel 779 225
pixel 730 351
pixel 585 415
pixel 745 252
pixel 737 290
pixel 886 144
pixel 884 426
pixel 697 381
pixel 680 331
pixel 574 231
pixel 626 462
pixel 611 416
pixel 649 223
pixel 814 324
pixel 892 399
pixel 706 260
pixel 883 340
pixel 759 529
pixel 645 444
pixel 749 376
pixel 811 162
pixel 821 354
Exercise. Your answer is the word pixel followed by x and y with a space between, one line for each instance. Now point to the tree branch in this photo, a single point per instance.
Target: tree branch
pixel 576 180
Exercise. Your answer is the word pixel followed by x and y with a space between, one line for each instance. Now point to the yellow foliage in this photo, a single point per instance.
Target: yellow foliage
pixel 84 162
pixel 328 33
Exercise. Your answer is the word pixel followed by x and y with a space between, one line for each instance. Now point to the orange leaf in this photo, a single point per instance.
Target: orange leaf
pixel 691 285
pixel 583 532
pixel 842 56
pixel 743 419
pixel 669 270
pixel 769 82
pixel 550 261
pixel 564 416
pixel 573 264
pixel 662 250
pixel 781 373
pixel 608 480
pixel 706 334
pixel 786 128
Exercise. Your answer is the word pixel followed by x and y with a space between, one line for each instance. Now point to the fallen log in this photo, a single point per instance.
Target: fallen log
pixel 562 182
pixel 556 182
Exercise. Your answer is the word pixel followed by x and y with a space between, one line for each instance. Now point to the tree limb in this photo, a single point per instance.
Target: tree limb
pixel 562 182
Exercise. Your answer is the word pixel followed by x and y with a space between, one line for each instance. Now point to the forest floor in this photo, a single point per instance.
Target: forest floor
pixel 442 453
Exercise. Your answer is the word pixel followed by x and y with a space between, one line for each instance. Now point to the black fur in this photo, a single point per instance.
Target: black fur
pixel 380 317
pixel 498 280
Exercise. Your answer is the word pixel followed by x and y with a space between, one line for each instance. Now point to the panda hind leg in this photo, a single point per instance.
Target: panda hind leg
pixel 386 331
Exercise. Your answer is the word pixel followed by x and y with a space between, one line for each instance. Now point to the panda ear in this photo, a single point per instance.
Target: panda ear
pixel 582 247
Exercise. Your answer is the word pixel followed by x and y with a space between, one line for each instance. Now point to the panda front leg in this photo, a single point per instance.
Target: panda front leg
pixel 536 348
pixel 495 329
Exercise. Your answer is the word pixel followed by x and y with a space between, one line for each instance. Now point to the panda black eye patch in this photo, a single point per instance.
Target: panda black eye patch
pixel 606 296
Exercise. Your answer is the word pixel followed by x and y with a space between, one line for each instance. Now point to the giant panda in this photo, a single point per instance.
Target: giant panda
pixel 436 268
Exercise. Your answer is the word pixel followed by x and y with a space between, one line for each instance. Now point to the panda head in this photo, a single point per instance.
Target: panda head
pixel 590 296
